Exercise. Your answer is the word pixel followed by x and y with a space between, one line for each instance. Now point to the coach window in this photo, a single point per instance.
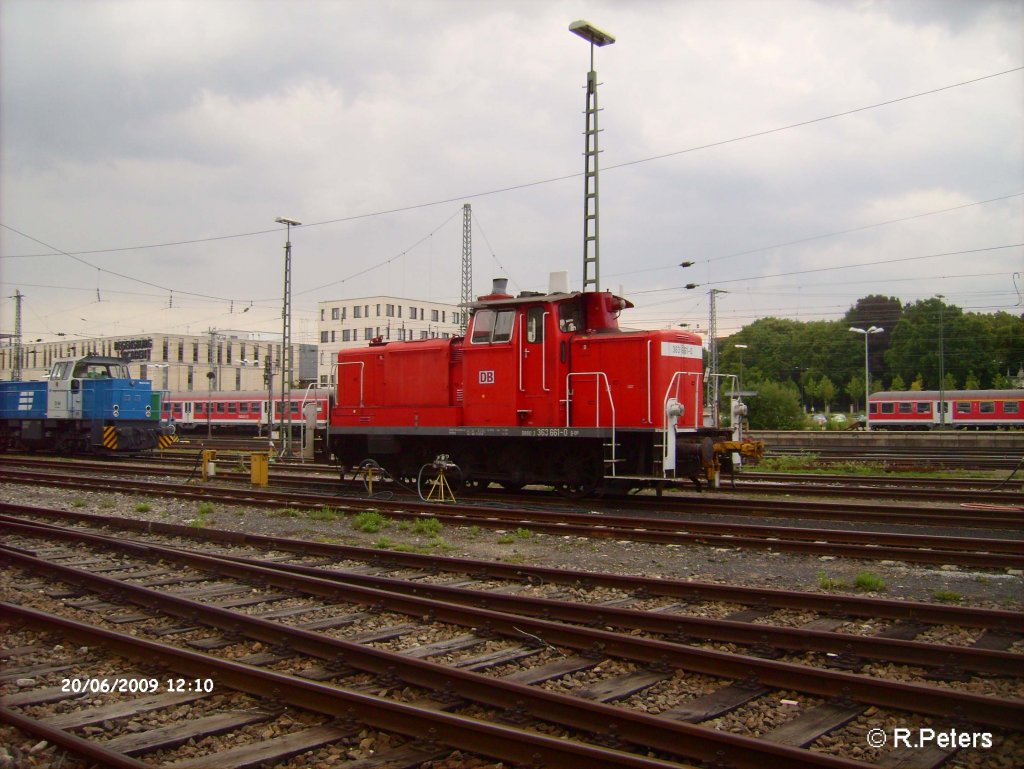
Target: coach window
pixel 905 408
pixel 988 407
pixel 232 408
pixel 888 408
pixel 1011 407
pixel 924 407
pixel 218 407
pixel 963 407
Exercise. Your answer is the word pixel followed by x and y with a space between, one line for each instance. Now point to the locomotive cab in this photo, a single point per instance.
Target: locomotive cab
pixel 88 404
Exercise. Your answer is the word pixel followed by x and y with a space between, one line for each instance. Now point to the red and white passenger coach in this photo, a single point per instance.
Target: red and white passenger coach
pixel 245 411
pixel 920 409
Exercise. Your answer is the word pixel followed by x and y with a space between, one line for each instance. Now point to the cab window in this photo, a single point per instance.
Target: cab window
pixel 483 325
pixel 493 326
pixel 569 316
pixel 535 325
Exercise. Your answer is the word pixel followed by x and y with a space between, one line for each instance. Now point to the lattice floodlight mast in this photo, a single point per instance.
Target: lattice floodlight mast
pixel 18 350
pixel 286 341
pixel 591 227
pixel 712 372
pixel 467 265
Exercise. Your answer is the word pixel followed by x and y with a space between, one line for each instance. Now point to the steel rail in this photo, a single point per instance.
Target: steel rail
pixel 604 721
pixel 679 627
pixel 968 551
pixel 723 503
pixel 71 742
pixel 931 613
pixel 503 742
pixel 950 659
pixel 913 697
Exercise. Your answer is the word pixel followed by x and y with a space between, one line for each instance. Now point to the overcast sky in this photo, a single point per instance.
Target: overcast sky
pixel 154 143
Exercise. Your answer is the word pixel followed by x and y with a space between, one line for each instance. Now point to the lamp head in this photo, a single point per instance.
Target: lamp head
pixel 286 220
pixel 590 33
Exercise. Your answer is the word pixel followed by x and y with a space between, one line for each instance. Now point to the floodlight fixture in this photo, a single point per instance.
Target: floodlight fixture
pixel 592 34
pixel 289 222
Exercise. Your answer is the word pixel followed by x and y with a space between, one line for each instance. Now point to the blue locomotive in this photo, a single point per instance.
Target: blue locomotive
pixel 86 405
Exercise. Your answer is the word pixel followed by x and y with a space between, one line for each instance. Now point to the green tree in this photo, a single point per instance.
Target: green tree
pixel 898 384
pixel 776 407
pixel 827 391
pixel 855 389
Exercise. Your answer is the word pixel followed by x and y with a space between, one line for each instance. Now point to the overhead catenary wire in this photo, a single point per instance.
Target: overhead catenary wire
pixel 535 183
pixel 165 289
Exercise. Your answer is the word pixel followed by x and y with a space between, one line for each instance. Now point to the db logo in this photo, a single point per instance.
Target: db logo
pixel 487 377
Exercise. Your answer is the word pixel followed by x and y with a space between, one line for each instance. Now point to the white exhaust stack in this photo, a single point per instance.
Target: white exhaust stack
pixel 558 282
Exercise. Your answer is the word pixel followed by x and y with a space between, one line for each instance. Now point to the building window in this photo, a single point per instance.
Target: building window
pixel 346 335
pixel 357 311
pixel 321 313
pixel 335 313
pixel 435 315
pixel 323 337
pixel 378 310
pixel 367 333
pixel 332 335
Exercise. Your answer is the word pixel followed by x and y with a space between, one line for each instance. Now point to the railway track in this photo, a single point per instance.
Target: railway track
pixel 975 551
pixel 551 659
pixel 981 507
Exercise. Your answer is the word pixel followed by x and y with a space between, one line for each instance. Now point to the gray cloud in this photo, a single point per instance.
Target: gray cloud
pixel 133 123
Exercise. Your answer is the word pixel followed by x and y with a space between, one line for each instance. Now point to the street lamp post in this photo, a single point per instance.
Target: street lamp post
pixel 210 376
pixel 942 364
pixel 867 369
pixel 286 340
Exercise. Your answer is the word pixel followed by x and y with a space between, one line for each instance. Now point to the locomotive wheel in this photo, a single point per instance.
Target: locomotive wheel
pixel 580 475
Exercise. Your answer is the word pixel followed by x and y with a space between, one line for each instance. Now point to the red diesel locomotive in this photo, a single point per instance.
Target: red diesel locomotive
pixel 545 389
